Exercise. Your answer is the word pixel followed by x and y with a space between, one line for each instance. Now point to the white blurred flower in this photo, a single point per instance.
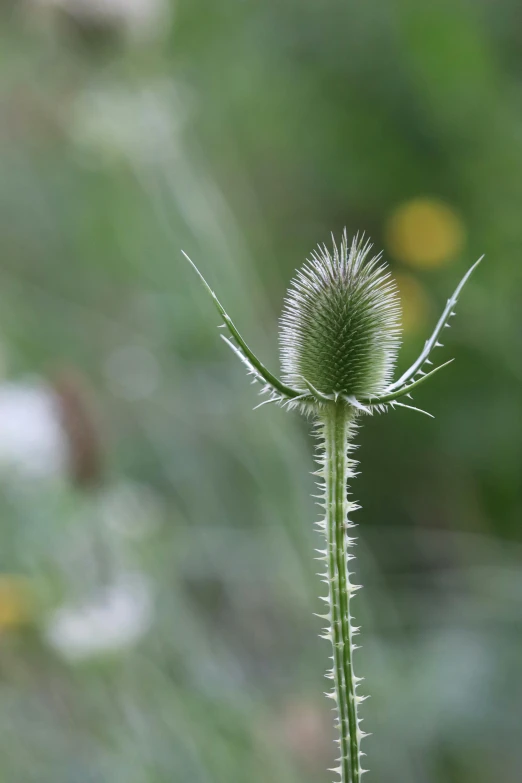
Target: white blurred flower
pixel 141 125
pixel 119 616
pixel 130 510
pixel 137 18
pixel 33 444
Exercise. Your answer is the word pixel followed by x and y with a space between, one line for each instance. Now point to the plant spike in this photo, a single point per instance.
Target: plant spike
pixel 339 340
pixel 412 408
pixel 406 389
pixel 441 323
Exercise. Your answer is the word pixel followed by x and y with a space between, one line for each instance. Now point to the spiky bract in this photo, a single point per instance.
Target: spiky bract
pixel 340 328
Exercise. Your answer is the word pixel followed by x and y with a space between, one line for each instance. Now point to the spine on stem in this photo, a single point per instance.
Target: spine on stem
pixel 336 426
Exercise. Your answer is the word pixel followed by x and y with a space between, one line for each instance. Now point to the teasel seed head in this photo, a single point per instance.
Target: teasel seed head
pixel 340 333
pixel 340 327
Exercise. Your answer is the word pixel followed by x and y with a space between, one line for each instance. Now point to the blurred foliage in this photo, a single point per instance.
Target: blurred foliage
pixel 158 580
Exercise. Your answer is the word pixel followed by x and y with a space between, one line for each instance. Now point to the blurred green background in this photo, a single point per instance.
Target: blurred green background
pixel 156 544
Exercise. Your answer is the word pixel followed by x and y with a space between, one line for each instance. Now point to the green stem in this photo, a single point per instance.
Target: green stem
pixel 337 426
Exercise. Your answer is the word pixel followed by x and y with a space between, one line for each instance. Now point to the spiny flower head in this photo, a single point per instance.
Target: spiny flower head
pixel 340 328
pixel 340 335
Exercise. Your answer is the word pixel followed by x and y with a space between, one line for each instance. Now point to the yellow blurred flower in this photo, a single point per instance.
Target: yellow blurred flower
pixel 425 233
pixel 415 303
pixel 15 603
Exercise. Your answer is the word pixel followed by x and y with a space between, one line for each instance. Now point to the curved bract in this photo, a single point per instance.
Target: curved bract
pixel 340 328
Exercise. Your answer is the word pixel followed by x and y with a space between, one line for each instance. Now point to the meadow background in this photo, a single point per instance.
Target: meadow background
pixel 157 580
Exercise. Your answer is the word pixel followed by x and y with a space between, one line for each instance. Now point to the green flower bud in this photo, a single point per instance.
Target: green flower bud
pixel 340 328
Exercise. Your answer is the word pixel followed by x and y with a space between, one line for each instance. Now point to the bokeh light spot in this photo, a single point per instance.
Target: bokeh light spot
pixel 415 303
pixel 424 233
pixel 14 601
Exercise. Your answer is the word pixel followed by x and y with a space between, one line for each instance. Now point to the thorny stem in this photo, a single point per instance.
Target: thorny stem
pixel 336 426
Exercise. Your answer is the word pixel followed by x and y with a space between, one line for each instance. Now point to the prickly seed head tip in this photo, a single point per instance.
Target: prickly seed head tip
pixel 340 327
